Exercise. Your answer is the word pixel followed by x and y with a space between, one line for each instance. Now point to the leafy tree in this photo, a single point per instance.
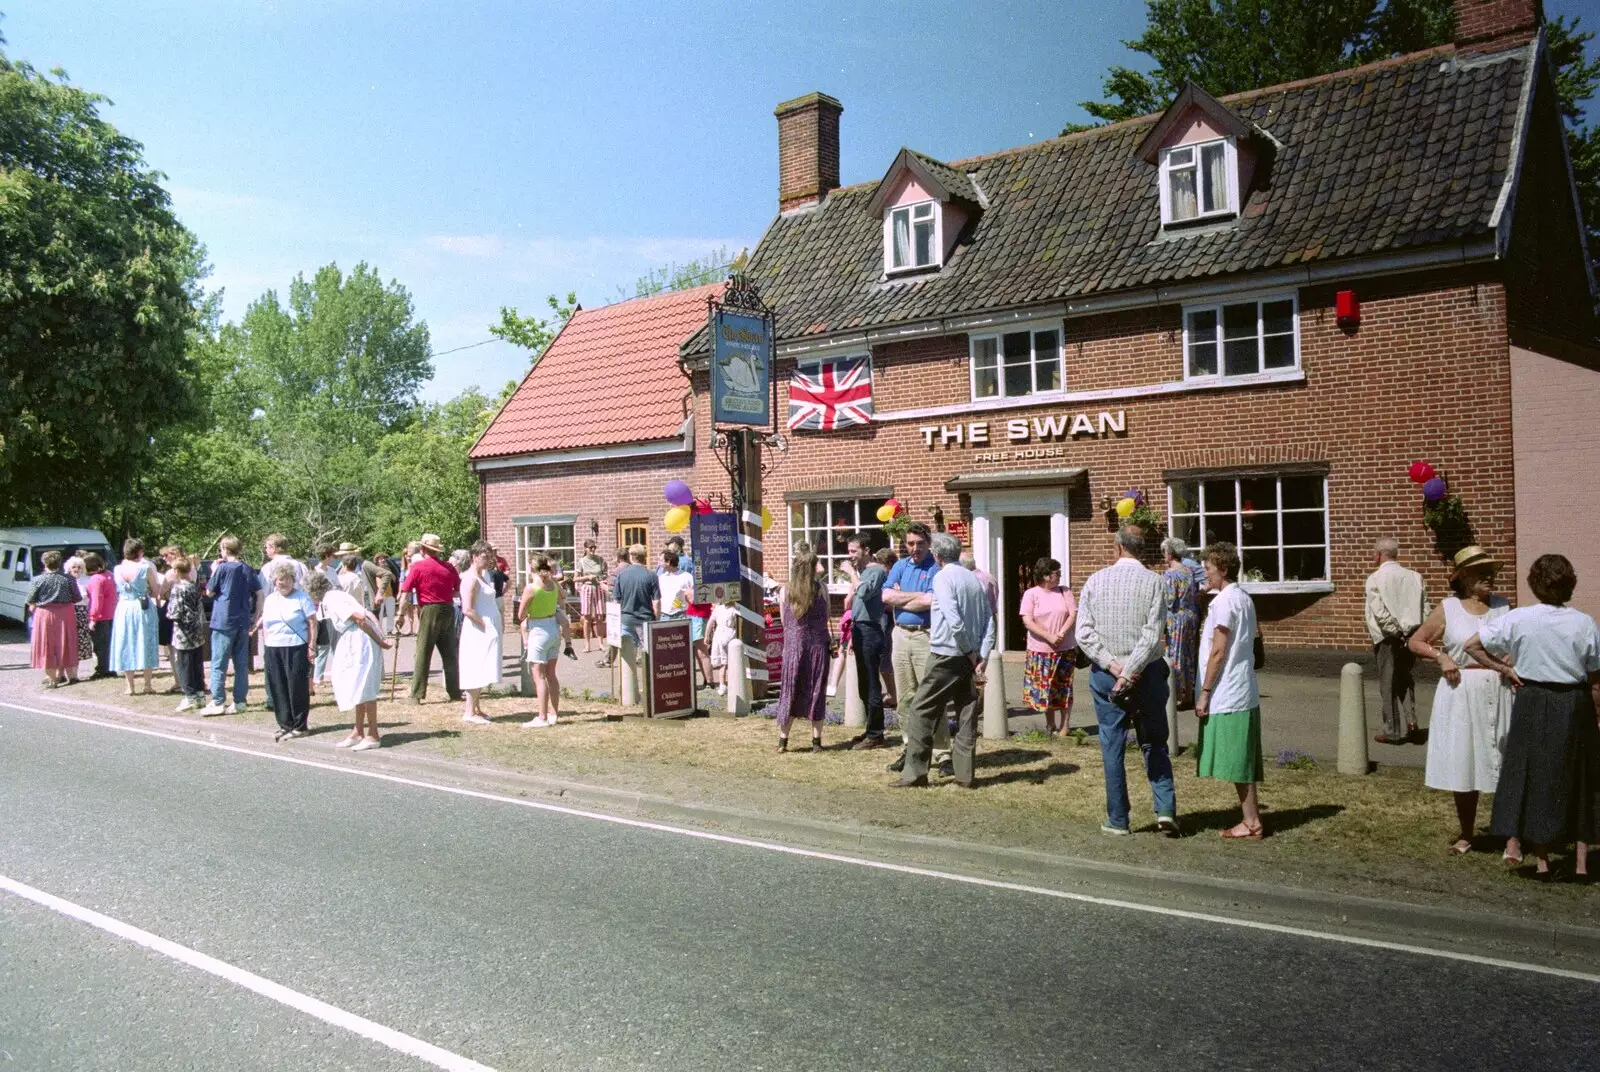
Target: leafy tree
pixel 1577 78
pixel 427 484
pixel 531 333
pixel 712 268
pixel 1228 46
pixel 98 294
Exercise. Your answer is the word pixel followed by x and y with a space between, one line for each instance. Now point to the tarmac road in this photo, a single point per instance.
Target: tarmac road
pixel 527 938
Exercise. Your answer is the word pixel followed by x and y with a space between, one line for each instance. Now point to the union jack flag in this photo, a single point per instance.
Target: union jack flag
pixel 832 393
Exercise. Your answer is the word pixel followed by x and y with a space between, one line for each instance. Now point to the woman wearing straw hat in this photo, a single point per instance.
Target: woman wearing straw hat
pixel 1472 705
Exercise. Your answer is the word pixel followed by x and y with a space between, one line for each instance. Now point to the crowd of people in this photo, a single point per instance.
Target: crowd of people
pixel 1514 713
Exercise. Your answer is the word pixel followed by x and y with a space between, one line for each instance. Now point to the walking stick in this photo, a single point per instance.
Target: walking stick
pixel 394 671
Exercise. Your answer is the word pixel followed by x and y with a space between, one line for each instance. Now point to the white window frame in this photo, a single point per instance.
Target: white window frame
pixel 526 548
pixel 998 335
pixel 865 520
pixel 936 248
pixel 1230 168
pixel 1324 583
pixel 1261 346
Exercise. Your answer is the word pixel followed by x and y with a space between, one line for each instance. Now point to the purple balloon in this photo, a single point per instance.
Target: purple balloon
pixel 1433 490
pixel 678 493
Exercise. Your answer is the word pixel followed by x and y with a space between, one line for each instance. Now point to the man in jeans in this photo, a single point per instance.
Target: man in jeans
pixel 235 591
pixel 866 633
pixel 908 593
pixel 1121 616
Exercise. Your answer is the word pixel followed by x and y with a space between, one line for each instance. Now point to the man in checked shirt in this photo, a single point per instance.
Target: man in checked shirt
pixel 1121 618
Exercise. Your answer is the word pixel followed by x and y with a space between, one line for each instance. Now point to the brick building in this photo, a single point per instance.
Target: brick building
pixel 1155 304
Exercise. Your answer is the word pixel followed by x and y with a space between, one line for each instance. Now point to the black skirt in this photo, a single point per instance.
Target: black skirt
pixel 1551 770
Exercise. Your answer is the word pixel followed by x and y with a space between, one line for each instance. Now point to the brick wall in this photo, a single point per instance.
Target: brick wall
pixel 1489 25
pixel 808 149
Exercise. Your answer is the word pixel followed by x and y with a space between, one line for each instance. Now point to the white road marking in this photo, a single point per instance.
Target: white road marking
pixel 332 1014
pixel 855 861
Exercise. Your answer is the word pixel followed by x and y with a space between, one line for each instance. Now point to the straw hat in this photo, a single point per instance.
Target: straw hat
pixel 346 549
pixel 1474 559
pixel 430 542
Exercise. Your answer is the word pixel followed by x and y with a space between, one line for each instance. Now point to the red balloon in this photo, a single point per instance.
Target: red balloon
pixel 702 506
pixel 1421 472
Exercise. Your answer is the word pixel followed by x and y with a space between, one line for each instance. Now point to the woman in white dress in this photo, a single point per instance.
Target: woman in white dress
pixel 479 652
pixel 356 665
pixel 1472 705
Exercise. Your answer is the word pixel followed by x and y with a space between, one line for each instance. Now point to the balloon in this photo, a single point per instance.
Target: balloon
pixel 894 506
pixel 702 506
pixel 886 512
pixel 678 493
pixel 1126 507
pixel 766 519
pixel 1421 472
pixel 677 519
pixel 1433 489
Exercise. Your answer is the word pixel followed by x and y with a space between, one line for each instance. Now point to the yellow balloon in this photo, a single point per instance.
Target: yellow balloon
pixel 766 519
pixel 677 519
pixel 885 513
pixel 1125 507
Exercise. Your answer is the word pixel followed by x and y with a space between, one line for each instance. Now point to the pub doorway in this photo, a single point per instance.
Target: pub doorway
pixel 1024 539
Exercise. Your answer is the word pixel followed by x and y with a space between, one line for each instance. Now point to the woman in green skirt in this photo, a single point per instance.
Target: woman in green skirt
pixel 1228 704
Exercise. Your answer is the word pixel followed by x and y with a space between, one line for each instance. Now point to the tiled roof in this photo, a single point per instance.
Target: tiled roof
pixel 1404 154
pixel 610 377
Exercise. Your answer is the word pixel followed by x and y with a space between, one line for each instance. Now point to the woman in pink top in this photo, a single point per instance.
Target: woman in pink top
pixel 1049 614
pixel 102 593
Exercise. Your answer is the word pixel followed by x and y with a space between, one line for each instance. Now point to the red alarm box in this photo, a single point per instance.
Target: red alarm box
pixel 1347 308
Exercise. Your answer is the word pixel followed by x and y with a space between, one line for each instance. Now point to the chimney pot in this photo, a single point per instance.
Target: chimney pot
pixel 808 149
pixel 1496 25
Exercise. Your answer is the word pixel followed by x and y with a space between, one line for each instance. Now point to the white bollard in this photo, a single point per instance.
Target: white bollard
pixel 628 659
pixel 1352 721
pixel 855 707
pixel 738 679
pixel 996 726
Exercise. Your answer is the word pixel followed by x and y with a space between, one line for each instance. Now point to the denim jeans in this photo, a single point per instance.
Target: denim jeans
pixel 226 645
pixel 1145 709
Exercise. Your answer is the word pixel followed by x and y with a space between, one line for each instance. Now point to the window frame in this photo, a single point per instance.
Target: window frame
pixel 1230 166
pixel 866 521
pixel 525 550
pixel 1200 513
pixel 1217 307
pixel 936 248
pixel 998 335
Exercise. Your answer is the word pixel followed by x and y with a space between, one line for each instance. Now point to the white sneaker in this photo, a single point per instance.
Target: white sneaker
pixel 349 742
pixel 722 690
pixel 231 709
pixel 186 705
pixel 213 709
pixel 537 723
pixel 366 744
pixel 476 720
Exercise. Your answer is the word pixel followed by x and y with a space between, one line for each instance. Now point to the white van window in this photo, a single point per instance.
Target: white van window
pixel 22 565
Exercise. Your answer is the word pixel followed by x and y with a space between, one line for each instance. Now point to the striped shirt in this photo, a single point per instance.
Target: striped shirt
pixel 1122 616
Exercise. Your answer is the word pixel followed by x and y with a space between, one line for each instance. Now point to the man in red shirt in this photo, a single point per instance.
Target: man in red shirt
pixel 432 584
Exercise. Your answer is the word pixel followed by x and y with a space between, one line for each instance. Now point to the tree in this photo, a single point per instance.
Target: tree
pixel 98 294
pixel 712 268
pixel 1577 78
pixel 531 333
pixel 1228 46
pixel 428 485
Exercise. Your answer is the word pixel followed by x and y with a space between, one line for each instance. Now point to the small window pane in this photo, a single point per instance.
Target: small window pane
pixel 1203 342
pixel 817 515
pixel 985 359
pixel 1277 318
pixel 1302 492
pixel 986 353
pixel 1219 495
pixel 1241 357
pixel 924 229
pixel 1239 321
pixel 1182 199
pixel 842 513
pixel 1180 157
pixel 1187 529
pixel 987 382
pixel 1305 564
pixel 1046 361
pixel 1214 176
pixel 1259 566
pixel 1019 380
pixel 923 211
pixel 1258 530
pixel 1018 357
pixel 1186 497
pixel 1223 528
pixel 797 516
pixel 1258 494
pixel 902 237
pixel 1304 526
pixel 1278 351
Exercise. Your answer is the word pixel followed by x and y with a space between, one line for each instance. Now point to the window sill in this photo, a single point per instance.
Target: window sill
pixel 1271 375
pixel 892 274
pixel 1286 588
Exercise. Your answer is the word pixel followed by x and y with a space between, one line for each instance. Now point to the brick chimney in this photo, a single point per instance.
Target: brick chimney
pixel 808 149
pixel 1496 25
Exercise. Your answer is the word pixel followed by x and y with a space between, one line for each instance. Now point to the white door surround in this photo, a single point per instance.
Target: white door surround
pixel 988 535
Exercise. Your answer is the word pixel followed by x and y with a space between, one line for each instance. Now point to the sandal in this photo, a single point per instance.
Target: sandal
pixel 1460 847
pixel 783 744
pixel 1245 833
pixel 816 744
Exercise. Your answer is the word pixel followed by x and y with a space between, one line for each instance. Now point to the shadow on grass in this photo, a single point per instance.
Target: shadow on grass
pixel 1006 757
pixel 1275 821
pixel 391 739
pixel 1032 776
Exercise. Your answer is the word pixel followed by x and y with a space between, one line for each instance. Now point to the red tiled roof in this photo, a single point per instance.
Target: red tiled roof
pixel 610 377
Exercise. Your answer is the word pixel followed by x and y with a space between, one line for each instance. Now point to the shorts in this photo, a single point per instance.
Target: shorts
pixel 543 639
pixel 591 600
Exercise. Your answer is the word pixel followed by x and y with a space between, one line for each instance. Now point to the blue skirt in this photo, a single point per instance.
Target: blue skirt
pixel 134 636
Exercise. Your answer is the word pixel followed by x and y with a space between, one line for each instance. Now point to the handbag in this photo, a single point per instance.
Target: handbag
pixel 1258 651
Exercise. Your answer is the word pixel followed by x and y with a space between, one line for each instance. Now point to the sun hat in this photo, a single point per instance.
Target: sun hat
pixel 346 549
pixel 1473 558
pixel 430 542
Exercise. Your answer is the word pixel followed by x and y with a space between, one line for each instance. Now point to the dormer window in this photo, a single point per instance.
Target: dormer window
pixel 913 236
pixel 1198 181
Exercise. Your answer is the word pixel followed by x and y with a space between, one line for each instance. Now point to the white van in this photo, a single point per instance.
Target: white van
pixel 20 550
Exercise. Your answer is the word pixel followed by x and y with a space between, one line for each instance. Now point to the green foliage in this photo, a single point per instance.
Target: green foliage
pixel 98 294
pixel 531 333
pixel 1577 78
pixel 712 268
pixel 1227 46
pixel 426 483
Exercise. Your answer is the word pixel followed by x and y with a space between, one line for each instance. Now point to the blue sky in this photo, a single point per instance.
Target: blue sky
pixel 491 153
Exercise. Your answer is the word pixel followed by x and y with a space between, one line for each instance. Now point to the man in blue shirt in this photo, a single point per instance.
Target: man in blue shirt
pixel 866 632
pixel 235 590
pixel 906 592
pixel 960 639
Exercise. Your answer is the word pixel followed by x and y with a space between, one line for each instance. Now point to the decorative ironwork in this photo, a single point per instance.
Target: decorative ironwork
pixel 741 294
